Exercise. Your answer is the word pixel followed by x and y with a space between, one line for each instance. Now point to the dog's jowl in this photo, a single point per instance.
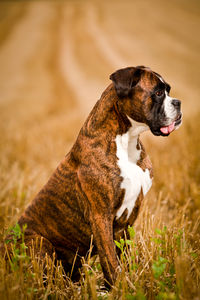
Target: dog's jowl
pixel 98 187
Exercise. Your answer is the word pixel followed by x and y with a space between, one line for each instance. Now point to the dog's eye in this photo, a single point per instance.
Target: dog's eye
pixel 160 93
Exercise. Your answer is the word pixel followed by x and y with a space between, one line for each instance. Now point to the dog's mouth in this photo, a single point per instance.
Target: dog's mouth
pixel 166 130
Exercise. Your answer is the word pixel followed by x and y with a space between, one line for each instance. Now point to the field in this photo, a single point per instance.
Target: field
pixel 56 58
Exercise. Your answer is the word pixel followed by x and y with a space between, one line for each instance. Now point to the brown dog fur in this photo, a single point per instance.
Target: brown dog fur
pixel 83 195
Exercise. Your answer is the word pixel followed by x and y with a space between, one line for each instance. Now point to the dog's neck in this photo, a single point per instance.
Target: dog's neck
pixel 106 115
pixel 137 128
pixel 129 142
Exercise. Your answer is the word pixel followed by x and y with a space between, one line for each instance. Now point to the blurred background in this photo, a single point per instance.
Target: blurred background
pixel 55 61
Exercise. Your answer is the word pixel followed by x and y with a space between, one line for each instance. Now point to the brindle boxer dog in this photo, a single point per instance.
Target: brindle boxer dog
pixel 98 188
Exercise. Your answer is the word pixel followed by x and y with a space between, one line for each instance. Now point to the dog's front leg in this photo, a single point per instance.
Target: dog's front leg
pixel 97 205
pixel 102 229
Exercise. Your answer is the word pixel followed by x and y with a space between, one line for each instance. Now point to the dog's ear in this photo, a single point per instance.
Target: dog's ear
pixel 125 80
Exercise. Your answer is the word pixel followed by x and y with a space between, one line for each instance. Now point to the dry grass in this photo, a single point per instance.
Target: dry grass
pixel 163 258
pixel 44 53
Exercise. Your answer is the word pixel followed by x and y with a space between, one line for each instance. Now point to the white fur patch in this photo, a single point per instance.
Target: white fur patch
pixel 170 111
pixel 134 178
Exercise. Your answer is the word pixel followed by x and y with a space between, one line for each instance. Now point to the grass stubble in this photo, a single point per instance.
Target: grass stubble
pixel 160 259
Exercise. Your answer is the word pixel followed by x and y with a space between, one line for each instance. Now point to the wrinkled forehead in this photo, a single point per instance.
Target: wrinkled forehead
pixel 152 80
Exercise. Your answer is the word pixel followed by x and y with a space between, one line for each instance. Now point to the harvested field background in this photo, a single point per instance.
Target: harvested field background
pixel 55 61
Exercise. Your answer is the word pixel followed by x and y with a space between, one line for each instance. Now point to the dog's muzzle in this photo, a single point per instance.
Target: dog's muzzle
pixel 167 120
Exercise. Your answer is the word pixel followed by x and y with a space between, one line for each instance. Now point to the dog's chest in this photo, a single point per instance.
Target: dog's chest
pixel 134 178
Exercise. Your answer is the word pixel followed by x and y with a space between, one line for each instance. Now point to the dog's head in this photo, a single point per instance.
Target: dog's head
pixel 143 95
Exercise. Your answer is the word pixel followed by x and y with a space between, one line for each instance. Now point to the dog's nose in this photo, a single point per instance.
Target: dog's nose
pixel 176 103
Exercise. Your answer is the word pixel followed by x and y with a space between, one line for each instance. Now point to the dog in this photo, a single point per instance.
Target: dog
pixel 99 186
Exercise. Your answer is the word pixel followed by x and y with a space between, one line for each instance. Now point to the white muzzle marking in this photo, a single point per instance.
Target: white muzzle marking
pixel 169 109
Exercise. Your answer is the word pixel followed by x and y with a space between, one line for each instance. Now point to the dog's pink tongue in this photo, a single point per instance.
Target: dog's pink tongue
pixel 168 129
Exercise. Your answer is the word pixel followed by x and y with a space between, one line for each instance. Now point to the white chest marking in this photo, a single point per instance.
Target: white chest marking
pixel 134 178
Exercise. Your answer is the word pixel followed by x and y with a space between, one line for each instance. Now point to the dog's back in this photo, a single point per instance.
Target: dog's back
pixel 99 186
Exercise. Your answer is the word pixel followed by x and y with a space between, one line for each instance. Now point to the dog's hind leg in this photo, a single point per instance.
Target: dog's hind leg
pixel 35 246
pixel 39 245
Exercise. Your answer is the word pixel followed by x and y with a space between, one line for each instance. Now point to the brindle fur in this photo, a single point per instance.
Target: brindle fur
pixel 83 195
